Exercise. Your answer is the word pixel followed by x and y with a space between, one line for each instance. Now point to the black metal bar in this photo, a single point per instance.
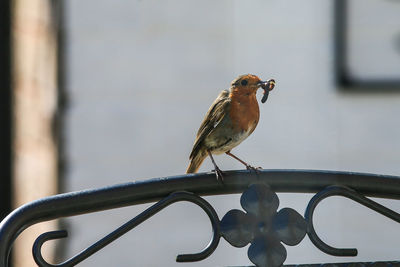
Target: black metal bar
pixel 5 108
pixel 174 197
pixel 75 203
pixel 348 193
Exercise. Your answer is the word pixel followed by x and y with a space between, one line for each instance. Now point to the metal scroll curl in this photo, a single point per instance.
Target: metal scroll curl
pixel 259 224
pixel 172 198
pixel 347 192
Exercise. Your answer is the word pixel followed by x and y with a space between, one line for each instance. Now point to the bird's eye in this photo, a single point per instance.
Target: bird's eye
pixel 243 82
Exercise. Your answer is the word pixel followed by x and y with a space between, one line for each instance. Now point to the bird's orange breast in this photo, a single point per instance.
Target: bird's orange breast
pixel 244 111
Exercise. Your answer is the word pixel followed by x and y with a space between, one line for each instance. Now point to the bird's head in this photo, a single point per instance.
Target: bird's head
pixel 249 84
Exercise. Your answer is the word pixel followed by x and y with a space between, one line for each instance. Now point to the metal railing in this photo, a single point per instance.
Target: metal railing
pixel 259 224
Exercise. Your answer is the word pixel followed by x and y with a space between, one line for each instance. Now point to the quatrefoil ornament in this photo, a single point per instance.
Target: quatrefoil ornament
pixel 263 226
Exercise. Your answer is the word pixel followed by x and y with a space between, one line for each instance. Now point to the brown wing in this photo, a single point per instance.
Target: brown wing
pixel 214 115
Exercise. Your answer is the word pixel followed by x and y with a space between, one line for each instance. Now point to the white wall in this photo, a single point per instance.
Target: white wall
pixel 142 74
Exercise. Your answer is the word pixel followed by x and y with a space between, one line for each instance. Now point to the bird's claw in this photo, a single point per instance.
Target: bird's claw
pixel 251 168
pixel 219 175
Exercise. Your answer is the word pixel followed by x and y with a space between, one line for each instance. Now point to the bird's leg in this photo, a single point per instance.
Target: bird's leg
pixel 217 170
pixel 248 166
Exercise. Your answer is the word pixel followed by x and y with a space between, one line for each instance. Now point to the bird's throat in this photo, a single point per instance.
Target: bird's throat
pixel 244 111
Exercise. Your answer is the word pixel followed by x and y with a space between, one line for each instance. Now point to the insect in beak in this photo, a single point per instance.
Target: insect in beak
pixel 267 86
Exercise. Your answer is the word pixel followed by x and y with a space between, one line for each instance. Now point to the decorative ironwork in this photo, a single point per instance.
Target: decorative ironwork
pixel 261 224
pixel 348 193
pixel 174 197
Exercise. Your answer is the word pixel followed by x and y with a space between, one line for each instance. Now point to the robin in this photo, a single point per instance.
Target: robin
pixel 231 119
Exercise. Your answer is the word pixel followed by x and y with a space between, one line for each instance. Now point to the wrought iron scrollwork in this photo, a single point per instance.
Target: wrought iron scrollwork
pixel 347 192
pixel 263 226
pixel 174 197
pixel 261 223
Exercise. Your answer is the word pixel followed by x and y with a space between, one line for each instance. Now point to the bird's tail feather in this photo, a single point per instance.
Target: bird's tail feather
pixel 196 161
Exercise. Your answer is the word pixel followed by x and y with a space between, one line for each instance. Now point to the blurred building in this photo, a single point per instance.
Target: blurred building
pixel 140 76
pixel 29 146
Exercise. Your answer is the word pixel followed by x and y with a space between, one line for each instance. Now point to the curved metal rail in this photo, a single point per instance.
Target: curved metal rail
pixel 163 203
pixel 86 201
pixel 337 190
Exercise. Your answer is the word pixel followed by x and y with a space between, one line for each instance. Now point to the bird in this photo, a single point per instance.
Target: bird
pixel 231 118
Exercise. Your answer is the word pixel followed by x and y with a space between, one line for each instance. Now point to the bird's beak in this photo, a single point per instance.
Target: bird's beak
pixel 267 86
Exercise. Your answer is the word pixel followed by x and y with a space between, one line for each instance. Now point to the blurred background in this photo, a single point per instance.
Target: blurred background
pixel 97 93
